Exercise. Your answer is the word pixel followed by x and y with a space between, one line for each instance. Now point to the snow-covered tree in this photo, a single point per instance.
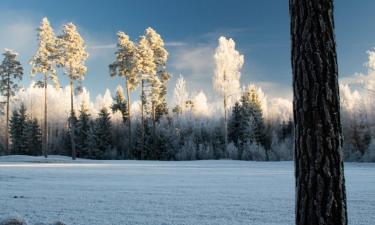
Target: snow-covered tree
pixel 180 95
pixel 44 62
pixel 11 72
pixel 83 130
pixel 146 68
pixel 72 56
pixel 200 105
pixel 160 58
pixel 125 65
pixel 102 135
pixel 226 79
pixel 17 127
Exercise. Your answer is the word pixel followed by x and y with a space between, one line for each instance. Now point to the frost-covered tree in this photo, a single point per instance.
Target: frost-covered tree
pixel 72 56
pixel 102 134
pixel 234 124
pixel 180 96
pixel 125 65
pixel 11 72
pixel 44 62
pixel 146 68
pixel 83 130
pixel 226 79
pixel 32 137
pixel 17 128
pixel 160 58
pixel 200 105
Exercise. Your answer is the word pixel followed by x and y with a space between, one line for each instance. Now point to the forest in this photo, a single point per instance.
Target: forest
pixel 45 118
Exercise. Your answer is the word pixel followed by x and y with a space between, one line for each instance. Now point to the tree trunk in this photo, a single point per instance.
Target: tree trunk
pixel 143 119
pixel 129 115
pixel 154 129
pixel 319 170
pixel 72 122
pixel 45 137
pixel 225 125
pixel 7 150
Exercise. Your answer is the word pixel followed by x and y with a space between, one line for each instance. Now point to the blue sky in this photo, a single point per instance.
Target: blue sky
pixel 190 29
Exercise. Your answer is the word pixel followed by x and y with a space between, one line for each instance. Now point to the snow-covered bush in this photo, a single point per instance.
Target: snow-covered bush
pixel 369 156
pixel 254 152
pixel 232 151
pixel 13 221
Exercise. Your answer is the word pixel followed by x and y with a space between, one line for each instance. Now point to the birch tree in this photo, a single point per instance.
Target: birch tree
pixel 125 66
pixel 44 62
pixel 11 73
pixel 146 68
pixel 319 168
pixel 227 74
pixel 72 56
pixel 180 95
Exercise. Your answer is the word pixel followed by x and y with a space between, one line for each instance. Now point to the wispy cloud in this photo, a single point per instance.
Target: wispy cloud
pixel 101 46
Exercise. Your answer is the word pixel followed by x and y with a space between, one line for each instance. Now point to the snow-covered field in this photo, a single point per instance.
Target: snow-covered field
pixel 148 192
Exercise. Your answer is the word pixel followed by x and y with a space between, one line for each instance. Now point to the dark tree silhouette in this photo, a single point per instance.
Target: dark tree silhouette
pixel 319 172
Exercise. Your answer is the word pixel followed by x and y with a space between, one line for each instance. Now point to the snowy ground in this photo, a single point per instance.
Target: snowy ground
pixel 148 192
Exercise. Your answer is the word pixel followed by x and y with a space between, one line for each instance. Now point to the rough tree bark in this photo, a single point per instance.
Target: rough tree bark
pixel 7 150
pixel 45 136
pixel 319 171
pixel 129 114
pixel 72 122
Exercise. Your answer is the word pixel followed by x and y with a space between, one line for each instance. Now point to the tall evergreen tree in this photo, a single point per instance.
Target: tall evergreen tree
pixel 160 58
pixel 103 134
pixel 234 124
pixel 11 72
pixel 17 126
pixel 319 168
pixel 146 68
pixel 32 137
pixel 44 62
pixel 83 129
pixel 72 56
pixel 125 65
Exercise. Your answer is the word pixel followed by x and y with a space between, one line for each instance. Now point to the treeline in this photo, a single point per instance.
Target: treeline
pixel 150 129
pixel 180 135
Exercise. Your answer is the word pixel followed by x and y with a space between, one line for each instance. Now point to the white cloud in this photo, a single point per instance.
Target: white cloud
pixel 194 60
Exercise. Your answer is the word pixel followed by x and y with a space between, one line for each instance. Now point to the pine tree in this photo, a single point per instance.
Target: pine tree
pixel 125 65
pixel 83 129
pixel 319 168
pixel 160 58
pixel 226 79
pixel 44 62
pixel 146 68
pixel 11 72
pixel 72 56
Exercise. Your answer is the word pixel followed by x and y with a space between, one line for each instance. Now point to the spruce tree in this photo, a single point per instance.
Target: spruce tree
pixel 235 124
pixel 32 138
pixel 83 129
pixel 103 134
pixel 18 124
